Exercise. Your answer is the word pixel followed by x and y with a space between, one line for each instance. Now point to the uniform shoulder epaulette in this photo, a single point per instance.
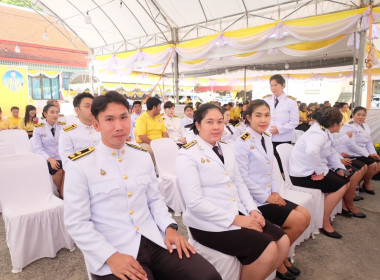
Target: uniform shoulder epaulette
pixel 224 142
pixel 188 145
pixel 267 96
pixel 39 124
pixel 291 97
pixel 175 116
pixel 351 122
pixel 61 123
pixel 81 153
pixel 182 117
pixel 162 114
pixel 266 134
pixel 245 136
pixel 70 127
pixel 237 125
pixel 323 128
pixel 136 147
pixel 42 118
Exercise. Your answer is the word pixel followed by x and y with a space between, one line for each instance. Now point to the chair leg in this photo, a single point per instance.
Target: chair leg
pixel 16 270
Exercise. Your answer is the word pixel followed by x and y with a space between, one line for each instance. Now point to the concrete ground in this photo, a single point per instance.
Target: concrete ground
pixel 354 257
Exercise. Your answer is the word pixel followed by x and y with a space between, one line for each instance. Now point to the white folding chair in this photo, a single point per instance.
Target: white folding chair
pixel 33 216
pixel 301 198
pixel 297 134
pixel 165 152
pixel 316 213
pixel 17 139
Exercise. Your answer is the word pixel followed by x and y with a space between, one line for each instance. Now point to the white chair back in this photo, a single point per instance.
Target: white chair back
pixel 165 152
pixel 278 180
pixel 33 184
pixel 284 150
pixel 17 141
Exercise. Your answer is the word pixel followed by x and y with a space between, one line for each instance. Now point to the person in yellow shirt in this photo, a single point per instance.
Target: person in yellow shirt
pixel 304 118
pixel 5 123
pixel 15 119
pixel 344 110
pixel 150 125
pixel 27 123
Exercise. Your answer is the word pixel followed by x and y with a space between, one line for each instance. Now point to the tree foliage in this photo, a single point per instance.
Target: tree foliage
pixel 20 3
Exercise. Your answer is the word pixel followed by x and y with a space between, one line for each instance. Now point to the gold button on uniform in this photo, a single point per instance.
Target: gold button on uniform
pixel 234 199
pixel 268 162
pixel 90 132
pixel 125 177
pixel 137 228
pixel 268 173
pixel 94 141
pixel 122 151
pixel 114 153
pixel 226 173
pixel 120 159
pixel 228 185
pixel 269 185
pixel 131 212
pixel 129 194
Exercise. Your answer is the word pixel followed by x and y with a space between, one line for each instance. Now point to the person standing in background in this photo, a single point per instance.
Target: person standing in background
pixel 284 115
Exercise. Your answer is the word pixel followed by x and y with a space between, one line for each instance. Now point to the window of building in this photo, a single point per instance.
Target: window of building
pixel 65 79
pixel 42 87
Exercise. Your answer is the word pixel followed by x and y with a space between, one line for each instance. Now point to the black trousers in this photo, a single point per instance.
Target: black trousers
pixel 159 264
pixel 275 144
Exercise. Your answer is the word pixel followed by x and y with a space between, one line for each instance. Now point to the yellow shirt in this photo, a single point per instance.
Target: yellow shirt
pixel 28 127
pixel 152 128
pixel 14 121
pixel 5 124
pixel 232 114
pixel 303 116
pixel 237 112
pixel 346 117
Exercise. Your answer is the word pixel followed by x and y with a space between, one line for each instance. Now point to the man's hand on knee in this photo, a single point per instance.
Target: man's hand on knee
pixel 124 266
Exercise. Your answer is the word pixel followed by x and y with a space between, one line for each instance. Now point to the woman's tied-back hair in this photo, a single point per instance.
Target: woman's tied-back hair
pixel 327 117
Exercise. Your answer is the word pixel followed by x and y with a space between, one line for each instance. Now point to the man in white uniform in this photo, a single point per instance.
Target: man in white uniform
pixel 114 211
pixel 78 136
pixel 284 114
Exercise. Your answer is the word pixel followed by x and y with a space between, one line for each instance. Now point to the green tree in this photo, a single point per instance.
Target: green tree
pixel 20 3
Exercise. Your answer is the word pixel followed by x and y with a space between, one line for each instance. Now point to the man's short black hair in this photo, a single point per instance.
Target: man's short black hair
pixel 15 107
pixel 152 102
pixel 101 102
pixel 78 99
pixel 136 103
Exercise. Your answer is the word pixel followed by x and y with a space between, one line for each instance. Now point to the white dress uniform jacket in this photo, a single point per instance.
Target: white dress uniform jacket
pixel 285 116
pixel 240 128
pixel 174 127
pixel 111 199
pixel 43 141
pixel 185 121
pixel 76 137
pixel 255 165
pixel 360 144
pixel 229 136
pixel 213 192
pixel 313 152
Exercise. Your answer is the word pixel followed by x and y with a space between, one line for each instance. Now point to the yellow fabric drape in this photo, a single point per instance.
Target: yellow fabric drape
pixel 309 46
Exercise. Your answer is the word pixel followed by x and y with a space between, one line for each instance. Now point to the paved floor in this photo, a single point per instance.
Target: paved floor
pixel 355 257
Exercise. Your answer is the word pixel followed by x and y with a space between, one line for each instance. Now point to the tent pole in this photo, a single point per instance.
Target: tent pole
pixel 353 75
pixel 369 64
pixel 176 73
pixel 245 83
pixel 359 78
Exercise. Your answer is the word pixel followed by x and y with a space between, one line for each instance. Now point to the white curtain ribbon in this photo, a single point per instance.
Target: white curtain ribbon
pixel 365 20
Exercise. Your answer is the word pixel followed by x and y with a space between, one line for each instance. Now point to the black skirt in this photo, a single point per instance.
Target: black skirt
pixel 366 160
pixel 277 214
pixel 357 163
pixel 53 171
pixel 329 184
pixel 245 244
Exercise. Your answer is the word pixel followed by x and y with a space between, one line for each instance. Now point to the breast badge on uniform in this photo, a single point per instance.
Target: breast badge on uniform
pixel 245 136
pixel 39 124
pixel 188 145
pixel 70 127
pixel 136 147
pixel 81 153
pixel 61 123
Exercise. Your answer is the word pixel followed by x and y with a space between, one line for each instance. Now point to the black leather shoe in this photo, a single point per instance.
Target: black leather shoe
pixel 358 197
pixel 347 213
pixel 359 215
pixel 294 270
pixel 369 191
pixel 285 276
pixel 333 234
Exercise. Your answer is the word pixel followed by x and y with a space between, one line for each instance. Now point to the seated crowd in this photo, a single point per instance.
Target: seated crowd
pixel 119 220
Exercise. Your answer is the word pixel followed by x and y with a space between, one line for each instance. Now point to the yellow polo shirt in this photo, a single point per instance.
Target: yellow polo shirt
pixel 5 124
pixel 303 115
pixel 152 128
pixel 29 127
pixel 14 121
pixel 346 117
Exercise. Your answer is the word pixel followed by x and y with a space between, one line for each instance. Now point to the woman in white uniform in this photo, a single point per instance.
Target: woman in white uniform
pixel 219 210
pixel 361 146
pixel 309 164
pixel 229 134
pixel 254 155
